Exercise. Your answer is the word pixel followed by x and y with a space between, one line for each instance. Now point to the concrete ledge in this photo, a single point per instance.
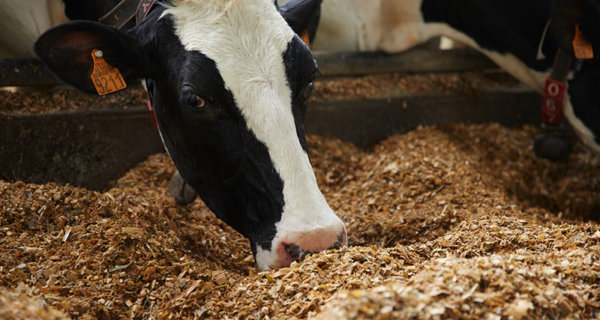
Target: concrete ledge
pixel 418 60
pixel 81 148
pixel 92 148
pixel 366 122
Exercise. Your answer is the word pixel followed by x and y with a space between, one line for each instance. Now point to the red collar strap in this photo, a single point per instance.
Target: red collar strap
pixel 152 113
pixel 555 88
pixel 125 11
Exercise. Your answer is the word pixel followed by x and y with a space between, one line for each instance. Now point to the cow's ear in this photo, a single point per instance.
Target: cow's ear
pixel 303 16
pixel 67 50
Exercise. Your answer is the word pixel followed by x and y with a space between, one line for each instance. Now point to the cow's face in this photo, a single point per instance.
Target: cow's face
pixel 229 82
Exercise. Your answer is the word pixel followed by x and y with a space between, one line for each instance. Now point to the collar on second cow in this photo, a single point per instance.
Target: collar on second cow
pixel 125 11
pixel 554 90
pixel 555 86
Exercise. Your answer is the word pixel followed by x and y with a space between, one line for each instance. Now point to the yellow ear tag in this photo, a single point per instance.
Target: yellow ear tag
pixel 305 38
pixel 106 78
pixel 582 48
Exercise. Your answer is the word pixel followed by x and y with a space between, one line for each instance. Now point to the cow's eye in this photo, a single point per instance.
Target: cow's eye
pixel 194 101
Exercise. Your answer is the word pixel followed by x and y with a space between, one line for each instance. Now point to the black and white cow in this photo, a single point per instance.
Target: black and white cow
pixel 229 82
pixel 509 32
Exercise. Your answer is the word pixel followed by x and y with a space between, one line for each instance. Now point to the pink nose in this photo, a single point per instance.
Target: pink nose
pixel 296 247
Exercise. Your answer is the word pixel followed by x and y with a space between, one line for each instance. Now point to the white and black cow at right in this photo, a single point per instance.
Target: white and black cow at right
pixel 509 32
pixel 229 81
pixel 22 22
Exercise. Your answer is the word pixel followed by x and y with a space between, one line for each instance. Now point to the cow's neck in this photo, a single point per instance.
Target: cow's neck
pixel 410 25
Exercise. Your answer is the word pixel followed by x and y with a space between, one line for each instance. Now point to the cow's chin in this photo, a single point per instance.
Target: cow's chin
pixel 267 259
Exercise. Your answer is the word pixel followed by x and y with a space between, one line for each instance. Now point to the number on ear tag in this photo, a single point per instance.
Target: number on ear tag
pixel 106 78
pixel 582 48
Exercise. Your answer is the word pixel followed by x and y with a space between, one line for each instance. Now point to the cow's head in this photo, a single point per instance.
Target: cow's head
pixel 229 82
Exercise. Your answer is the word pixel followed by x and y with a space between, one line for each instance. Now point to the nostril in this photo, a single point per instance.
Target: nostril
pixel 341 241
pixel 296 252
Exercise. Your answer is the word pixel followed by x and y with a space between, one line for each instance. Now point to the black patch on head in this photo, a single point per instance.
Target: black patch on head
pixel 212 146
pixel 300 69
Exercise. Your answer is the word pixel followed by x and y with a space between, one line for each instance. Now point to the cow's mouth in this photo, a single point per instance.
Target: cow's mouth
pixel 299 254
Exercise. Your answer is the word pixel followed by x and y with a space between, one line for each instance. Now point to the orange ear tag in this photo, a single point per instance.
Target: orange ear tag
pixel 582 48
pixel 106 78
pixel 305 38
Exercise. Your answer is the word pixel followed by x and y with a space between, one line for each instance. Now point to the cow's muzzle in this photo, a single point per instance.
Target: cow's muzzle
pixel 298 254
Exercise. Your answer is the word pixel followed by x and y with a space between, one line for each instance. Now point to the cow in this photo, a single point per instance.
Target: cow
pixel 522 37
pixel 228 81
pixel 22 22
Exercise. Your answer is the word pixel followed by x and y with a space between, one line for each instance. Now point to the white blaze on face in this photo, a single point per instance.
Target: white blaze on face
pixel 247 40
